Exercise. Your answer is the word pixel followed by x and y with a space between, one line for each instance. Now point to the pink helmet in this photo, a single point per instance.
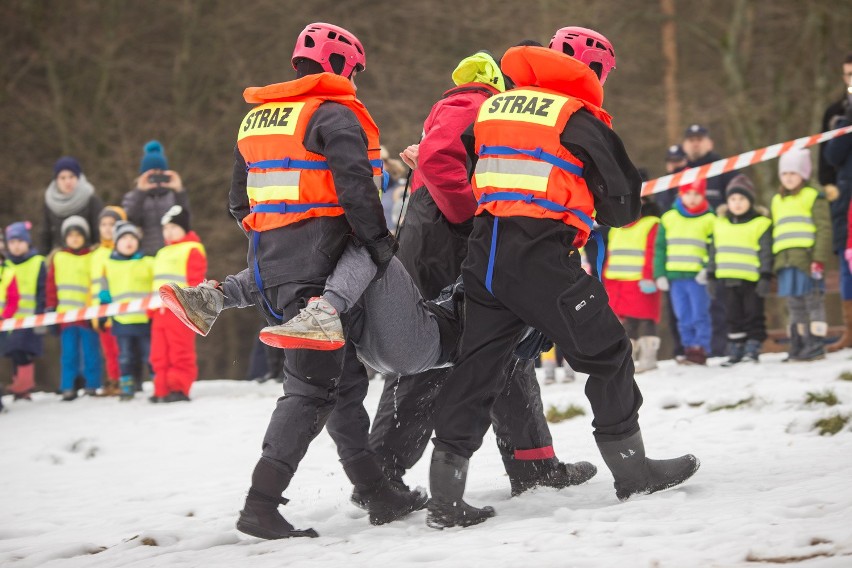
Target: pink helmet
pixel 319 41
pixel 588 46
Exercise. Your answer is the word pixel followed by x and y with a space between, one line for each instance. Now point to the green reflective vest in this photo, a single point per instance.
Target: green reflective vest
pixel 737 247
pixel 27 274
pixel 7 274
pixel 686 240
pixel 626 249
pixel 72 273
pixel 129 280
pixel 170 263
pixel 99 257
pixel 793 220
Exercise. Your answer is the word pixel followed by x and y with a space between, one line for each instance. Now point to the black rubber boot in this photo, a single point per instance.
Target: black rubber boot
pixel 736 350
pixel 260 516
pixel 528 474
pixel 384 499
pixel 812 349
pixel 447 478
pixel 797 343
pixel 360 501
pixel 752 351
pixel 636 474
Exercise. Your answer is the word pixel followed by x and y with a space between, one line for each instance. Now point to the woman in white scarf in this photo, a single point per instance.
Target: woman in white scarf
pixel 69 193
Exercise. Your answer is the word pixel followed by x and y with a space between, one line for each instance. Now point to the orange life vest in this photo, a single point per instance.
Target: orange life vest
pixel 523 168
pixel 286 182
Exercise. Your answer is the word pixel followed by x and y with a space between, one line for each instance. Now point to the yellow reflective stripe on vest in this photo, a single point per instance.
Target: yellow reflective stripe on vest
pixel 26 275
pixel 626 250
pixel 737 248
pixel 271 118
pixel 273 186
pixel 793 219
pixel 523 106
pixel 686 241
pixel 512 174
pixel 73 280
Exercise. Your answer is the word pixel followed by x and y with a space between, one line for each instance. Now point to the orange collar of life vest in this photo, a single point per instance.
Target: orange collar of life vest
pixel 319 85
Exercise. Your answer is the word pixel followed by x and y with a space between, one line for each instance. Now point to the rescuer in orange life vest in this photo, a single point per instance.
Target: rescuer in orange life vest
pixel 544 161
pixel 304 181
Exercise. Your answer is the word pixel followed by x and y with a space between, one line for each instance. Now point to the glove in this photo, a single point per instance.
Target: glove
pixel 662 284
pixel 532 343
pixel 382 251
pixel 847 254
pixel 701 277
pixel 647 286
pixel 817 270
pixel 104 297
pixel 762 287
pixel 712 287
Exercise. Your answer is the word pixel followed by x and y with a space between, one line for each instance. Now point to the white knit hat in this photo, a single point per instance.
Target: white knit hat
pixel 796 161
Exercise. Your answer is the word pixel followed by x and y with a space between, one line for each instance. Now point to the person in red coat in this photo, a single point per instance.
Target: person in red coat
pixel 183 260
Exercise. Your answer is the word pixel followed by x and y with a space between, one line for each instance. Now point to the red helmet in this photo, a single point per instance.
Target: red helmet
pixel 588 46
pixel 319 41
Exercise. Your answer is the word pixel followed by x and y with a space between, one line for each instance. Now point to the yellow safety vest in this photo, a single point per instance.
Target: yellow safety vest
pixel 129 280
pixel 737 248
pixel 27 273
pixel 170 263
pixel 6 277
pixel 99 257
pixel 73 280
pixel 686 241
pixel 793 219
pixel 626 249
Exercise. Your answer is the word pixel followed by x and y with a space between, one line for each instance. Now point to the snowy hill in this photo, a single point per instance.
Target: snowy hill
pixel 101 483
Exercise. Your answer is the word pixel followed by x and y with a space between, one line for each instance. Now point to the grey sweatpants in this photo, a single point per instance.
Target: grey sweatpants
pixel 390 326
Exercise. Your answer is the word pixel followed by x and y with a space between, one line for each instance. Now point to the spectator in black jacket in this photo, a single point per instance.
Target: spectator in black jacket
pixel 698 147
pixel 69 193
pixel 157 189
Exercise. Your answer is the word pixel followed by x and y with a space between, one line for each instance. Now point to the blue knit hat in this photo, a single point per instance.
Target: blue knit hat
pixel 153 158
pixel 20 231
pixel 67 163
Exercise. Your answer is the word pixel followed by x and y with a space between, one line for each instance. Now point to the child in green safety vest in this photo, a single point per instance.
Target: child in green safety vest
pixel 741 261
pixel 129 276
pixel 801 244
pixel 680 261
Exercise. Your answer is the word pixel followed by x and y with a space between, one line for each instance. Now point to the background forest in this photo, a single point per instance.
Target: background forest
pixel 97 79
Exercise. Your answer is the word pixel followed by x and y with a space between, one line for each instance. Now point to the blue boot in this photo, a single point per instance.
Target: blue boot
pixel 127 386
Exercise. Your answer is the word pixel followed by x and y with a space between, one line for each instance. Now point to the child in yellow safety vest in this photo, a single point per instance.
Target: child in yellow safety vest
pixel 741 261
pixel 182 261
pixel 129 276
pixel 680 262
pixel 801 245
pixel 24 345
pixel 69 286
pixel 110 215
pixel 629 282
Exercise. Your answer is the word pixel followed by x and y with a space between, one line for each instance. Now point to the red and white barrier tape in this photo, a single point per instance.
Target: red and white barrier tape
pixel 103 311
pixel 739 161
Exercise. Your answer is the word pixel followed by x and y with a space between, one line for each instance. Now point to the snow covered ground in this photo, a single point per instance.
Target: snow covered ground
pixel 101 483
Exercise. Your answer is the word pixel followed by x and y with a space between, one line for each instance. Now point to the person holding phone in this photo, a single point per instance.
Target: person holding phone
pixel 157 190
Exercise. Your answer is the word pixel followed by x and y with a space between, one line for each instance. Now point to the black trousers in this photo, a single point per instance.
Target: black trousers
pixel 746 319
pixel 537 280
pixel 432 251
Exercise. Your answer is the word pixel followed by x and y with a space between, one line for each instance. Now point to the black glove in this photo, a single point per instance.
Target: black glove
pixel 712 286
pixel 532 343
pixel 762 287
pixel 382 251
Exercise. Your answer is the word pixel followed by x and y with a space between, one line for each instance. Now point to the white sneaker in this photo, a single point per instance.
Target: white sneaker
pixel 317 326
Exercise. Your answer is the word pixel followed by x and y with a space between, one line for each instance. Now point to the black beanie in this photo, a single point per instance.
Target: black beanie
pixel 177 215
pixel 743 185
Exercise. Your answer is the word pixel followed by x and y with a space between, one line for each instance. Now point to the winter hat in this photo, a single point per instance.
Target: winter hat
pixel 177 215
pixel 113 211
pixel 675 153
pixel 20 231
pixel 699 185
pixel 153 158
pixel 479 68
pixel 743 185
pixel 76 222
pixel 67 163
pixel 796 161
pixel 123 228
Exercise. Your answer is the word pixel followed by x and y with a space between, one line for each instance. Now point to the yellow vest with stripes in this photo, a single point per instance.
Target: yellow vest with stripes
pixel 793 219
pixel 686 240
pixel 99 258
pixel 73 280
pixel 737 247
pixel 626 249
pixel 170 263
pixel 129 280
pixel 27 274
pixel 6 278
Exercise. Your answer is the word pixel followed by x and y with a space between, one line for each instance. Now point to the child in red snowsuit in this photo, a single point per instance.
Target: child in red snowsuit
pixel 629 281
pixel 183 260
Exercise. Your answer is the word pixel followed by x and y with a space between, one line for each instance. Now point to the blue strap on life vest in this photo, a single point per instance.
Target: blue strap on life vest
pixel 289 207
pixel 538 154
pixel 290 164
pixel 545 204
pixel 259 281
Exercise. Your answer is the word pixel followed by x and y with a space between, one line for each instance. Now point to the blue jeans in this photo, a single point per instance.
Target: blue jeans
pixel 133 353
pixel 692 308
pixel 80 343
pixel 845 279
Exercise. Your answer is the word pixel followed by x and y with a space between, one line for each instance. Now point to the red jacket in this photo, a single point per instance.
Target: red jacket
pixel 442 164
pixel 196 264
